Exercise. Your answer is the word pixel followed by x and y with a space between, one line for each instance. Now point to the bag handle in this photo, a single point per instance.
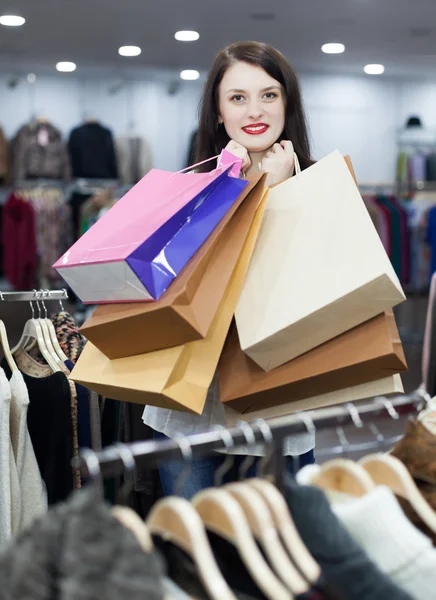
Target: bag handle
pixel 297 164
pixel 229 162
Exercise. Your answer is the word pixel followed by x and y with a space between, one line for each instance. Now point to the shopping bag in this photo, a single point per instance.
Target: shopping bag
pixel 381 387
pixel 177 377
pixel 319 267
pixel 185 311
pixel 141 244
pixel 368 352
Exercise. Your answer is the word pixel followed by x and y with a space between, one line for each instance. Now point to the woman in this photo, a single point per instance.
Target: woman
pixel 251 106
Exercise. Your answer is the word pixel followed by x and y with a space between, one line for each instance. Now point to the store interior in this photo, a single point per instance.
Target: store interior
pixel 94 98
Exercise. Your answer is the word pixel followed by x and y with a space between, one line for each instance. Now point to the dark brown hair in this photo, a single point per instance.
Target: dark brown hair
pixel 212 137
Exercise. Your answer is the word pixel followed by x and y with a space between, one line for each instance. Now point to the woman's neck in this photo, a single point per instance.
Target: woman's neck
pixel 256 159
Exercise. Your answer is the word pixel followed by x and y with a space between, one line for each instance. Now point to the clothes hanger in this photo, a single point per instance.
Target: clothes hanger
pixel 388 470
pixel 5 345
pixel 282 517
pixel 128 517
pixel 341 474
pixel 43 321
pixel 222 514
pixel 52 332
pixel 262 525
pixel 176 520
pixel 32 330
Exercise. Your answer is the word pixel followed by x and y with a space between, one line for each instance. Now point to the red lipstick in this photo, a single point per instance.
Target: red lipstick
pixel 256 128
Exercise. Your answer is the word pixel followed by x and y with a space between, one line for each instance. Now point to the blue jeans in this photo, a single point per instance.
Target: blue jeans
pixel 202 471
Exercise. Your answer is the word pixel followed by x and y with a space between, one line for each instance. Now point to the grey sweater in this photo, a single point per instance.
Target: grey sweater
pixel 79 551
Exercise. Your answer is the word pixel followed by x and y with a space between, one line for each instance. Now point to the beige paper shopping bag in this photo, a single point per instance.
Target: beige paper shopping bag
pixel 177 377
pixel 381 387
pixel 318 270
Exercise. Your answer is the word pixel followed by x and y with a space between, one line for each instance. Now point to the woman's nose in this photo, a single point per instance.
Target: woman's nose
pixel 254 111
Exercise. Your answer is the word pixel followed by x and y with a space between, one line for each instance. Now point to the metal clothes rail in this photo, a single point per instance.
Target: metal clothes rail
pixel 109 462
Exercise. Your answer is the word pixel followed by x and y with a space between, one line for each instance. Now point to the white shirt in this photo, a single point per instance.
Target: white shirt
pixel 173 422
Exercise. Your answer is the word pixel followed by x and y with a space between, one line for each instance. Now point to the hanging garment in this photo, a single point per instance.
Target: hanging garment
pixel 92 152
pixel 5 159
pixel 39 152
pixel 431 168
pixel 11 472
pixel 33 493
pixel 135 158
pixel 79 551
pixel 51 431
pixel 30 367
pixel 417 167
pixel 346 569
pixel 432 238
pixel 53 226
pixel 377 523
pixel 417 450
pixel 19 243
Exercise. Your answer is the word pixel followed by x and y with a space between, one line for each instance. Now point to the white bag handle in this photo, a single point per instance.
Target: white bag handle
pixel 297 164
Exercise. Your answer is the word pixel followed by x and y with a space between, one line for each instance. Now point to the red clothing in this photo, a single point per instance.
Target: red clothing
pixel 19 243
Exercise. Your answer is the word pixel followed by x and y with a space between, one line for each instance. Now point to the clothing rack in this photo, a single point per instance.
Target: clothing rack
pixel 109 462
pixel 34 296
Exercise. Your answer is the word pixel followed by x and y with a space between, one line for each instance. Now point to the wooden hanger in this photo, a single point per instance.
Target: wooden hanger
pixel 263 528
pixel 388 470
pixel 32 330
pixel 52 332
pixel 222 514
pixel 135 524
pixel 343 475
pixel 261 523
pixel 287 530
pixel 177 521
pixel 43 321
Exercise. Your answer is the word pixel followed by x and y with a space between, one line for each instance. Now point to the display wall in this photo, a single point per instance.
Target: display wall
pixel 360 116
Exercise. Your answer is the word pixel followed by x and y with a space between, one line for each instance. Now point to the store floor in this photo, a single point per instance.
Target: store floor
pixel 411 323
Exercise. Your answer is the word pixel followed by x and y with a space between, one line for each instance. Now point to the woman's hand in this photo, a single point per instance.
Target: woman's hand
pixel 241 152
pixel 279 163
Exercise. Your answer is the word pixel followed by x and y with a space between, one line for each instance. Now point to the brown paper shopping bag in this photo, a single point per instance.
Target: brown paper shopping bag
pixel 366 353
pixel 186 310
pixel 382 387
pixel 177 377
pixel 318 270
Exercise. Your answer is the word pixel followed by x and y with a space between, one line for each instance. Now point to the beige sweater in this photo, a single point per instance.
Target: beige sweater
pixel 33 493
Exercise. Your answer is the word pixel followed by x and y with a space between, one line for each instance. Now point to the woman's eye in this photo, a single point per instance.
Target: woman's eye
pixel 237 98
pixel 270 95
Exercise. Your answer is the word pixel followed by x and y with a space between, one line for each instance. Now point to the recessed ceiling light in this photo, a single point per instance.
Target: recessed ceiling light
pixel 12 21
pixel 66 67
pixel 187 36
pixel 189 75
pixel 333 48
pixel 374 69
pixel 31 77
pixel 129 51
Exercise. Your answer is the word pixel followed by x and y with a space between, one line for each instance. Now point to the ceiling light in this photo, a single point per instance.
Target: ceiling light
pixel 129 51
pixel 66 67
pixel 12 21
pixel 189 75
pixel 374 69
pixel 31 77
pixel 333 48
pixel 186 36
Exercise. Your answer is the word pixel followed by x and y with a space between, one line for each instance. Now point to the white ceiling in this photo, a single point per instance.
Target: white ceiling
pixel 401 34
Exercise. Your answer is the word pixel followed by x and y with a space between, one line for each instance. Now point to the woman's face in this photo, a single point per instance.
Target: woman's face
pixel 251 106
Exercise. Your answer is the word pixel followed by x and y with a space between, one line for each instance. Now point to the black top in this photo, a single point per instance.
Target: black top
pixel 348 572
pixel 92 152
pixel 51 431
